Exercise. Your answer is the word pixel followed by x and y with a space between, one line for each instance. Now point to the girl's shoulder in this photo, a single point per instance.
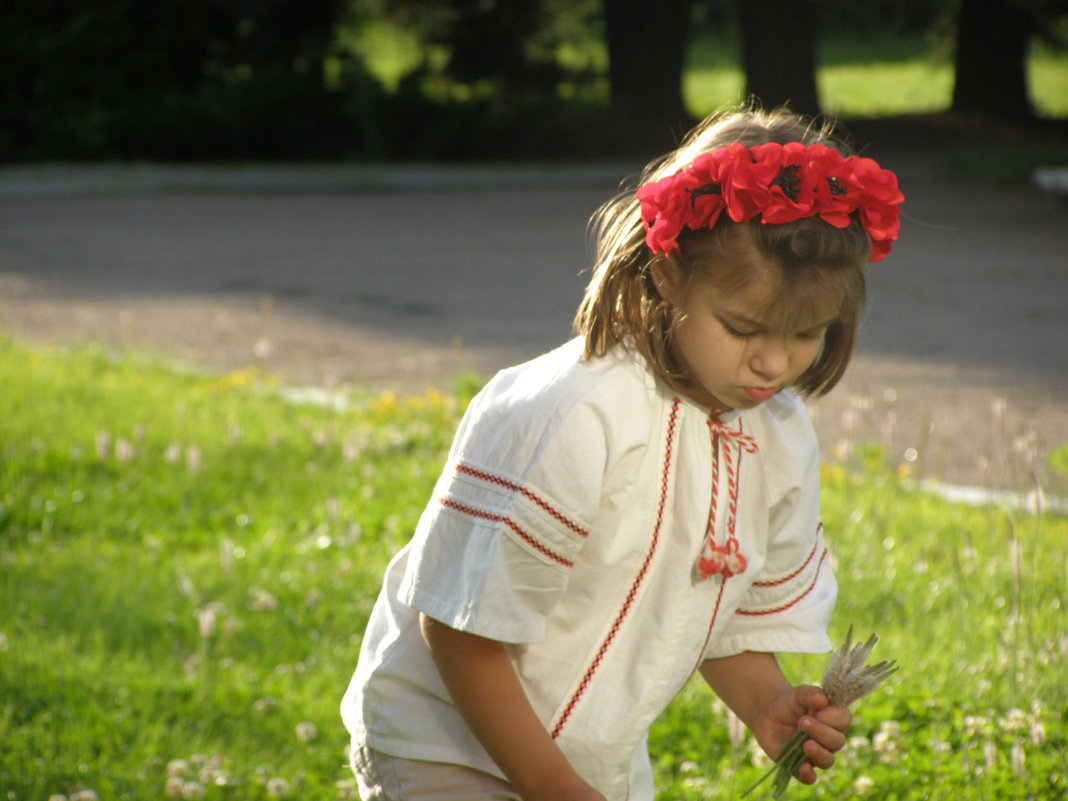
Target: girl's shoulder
pixel 561 394
pixel 561 379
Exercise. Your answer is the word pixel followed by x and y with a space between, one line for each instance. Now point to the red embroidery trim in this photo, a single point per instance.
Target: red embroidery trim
pixel 529 539
pixel 725 560
pixel 500 481
pixel 799 570
pixel 617 624
pixel 794 602
pixel 711 626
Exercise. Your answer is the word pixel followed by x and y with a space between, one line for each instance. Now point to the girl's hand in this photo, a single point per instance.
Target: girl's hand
pixel 806 708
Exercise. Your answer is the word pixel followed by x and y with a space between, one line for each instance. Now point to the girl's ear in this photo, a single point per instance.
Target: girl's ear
pixel 669 280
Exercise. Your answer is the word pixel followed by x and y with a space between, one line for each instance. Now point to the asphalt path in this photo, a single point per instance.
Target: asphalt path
pixel 403 277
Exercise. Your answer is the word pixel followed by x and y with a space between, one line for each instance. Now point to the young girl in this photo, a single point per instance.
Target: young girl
pixel 642 503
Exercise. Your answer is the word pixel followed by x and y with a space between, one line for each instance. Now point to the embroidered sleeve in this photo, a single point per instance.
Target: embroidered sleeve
pixel 509 516
pixel 788 606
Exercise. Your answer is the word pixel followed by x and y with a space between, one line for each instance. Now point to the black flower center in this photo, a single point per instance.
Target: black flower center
pixel 789 181
pixel 701 191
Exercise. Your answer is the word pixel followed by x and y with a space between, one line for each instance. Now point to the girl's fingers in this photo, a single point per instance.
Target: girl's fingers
pixel 817 755
pixel 806 774
pixel 826 730
pixel 827 738
pixel 836 717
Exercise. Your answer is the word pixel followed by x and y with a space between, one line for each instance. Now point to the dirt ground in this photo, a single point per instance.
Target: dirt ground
pixel 402 277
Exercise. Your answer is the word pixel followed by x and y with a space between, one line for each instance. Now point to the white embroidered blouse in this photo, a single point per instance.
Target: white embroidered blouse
pixel 576 502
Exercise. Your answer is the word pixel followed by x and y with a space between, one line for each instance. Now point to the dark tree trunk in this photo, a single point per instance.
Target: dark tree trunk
pixel 646 54
pixel 779 53
pixel 991 60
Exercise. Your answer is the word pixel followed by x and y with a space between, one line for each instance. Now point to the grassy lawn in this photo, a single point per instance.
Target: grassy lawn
pixel 187 562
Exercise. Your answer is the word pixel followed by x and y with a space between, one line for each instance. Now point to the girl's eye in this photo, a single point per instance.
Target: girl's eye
pixel 734 332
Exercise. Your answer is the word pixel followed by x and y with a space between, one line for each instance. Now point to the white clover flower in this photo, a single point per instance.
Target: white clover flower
pixel 263 601
pixel 277 787
pixel 1018 759
pixel 84 795
pixel 1038 733
pixel 863 785
pixel 689 766
pixel 1014 720
pixel 193 791
pixel 695 783
pixel 887 746
pixel 990 753
pixel 124 450
pixel 192 458
pixel 206 620
pixel 974 725
pixel 173 787
pixel 859 743
pixel 306 731
pixel 57 797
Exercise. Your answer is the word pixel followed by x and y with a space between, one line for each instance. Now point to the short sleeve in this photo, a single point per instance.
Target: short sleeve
pixel 789 605
pixel 495 547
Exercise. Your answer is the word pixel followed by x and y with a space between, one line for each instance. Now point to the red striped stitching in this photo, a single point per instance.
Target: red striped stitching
pixel 500 481
pixel 530 540
pixel 795 601
pixel 617 624
pixel 784 579
pixel 711 623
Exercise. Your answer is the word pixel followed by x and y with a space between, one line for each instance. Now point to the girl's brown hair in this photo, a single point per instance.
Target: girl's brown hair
pixel 816 260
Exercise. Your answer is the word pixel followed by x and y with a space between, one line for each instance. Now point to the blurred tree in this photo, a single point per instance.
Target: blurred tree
pixel 779 53
pixel 990 62
pixel 167 79
pixel 992 45
pixel 646 55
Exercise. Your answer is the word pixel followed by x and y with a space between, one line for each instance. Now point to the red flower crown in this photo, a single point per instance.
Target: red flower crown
pixel 781 183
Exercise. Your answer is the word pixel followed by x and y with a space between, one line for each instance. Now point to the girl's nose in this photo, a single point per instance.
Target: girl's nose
pixel 769 360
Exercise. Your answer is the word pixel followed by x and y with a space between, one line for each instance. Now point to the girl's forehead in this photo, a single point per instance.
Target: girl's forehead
pixel 771 302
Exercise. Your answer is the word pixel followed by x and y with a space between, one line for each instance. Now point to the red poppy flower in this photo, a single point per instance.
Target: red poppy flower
pixel 780 183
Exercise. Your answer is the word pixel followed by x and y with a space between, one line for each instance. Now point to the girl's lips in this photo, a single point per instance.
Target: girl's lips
pixel 760 393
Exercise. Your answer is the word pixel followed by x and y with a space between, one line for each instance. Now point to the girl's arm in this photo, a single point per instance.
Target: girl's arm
pixel 486 690
pixel 753 685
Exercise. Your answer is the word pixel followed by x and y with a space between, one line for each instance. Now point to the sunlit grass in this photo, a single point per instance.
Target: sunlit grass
pixel 1049 81
pixel 869 90
pixel 187 562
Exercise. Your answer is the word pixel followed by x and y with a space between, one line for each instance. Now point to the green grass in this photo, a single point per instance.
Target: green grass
pixel 187 562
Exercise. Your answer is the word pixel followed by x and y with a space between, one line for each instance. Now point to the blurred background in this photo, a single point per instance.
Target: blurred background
pixel 391 193
pixel 428 79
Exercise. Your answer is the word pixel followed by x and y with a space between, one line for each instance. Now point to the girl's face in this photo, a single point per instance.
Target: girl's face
pixel 735 347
